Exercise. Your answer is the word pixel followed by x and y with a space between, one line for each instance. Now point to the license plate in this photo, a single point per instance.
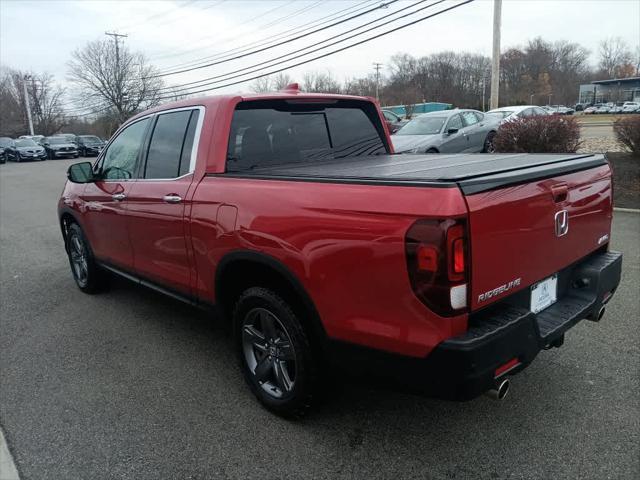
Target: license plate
pixel 544 294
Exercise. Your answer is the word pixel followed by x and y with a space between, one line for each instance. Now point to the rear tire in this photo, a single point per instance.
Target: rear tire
pixel 89 277
pixel 488 143
pixel 274 352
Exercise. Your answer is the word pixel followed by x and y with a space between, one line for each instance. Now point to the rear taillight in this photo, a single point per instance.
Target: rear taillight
pixel 438 264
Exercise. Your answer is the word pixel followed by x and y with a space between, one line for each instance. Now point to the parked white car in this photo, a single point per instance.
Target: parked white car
pixel 631 107
pixel 604 108
pixel 505 114
pixel 559 109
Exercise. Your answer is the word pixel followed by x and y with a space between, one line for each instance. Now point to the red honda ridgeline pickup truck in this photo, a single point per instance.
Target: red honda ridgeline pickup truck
pixel 290 213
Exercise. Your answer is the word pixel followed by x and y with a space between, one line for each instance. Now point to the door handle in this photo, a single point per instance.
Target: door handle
pixel 118 197
pixel 172 198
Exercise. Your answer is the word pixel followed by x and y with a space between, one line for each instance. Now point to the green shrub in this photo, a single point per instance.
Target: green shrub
pixel 627 132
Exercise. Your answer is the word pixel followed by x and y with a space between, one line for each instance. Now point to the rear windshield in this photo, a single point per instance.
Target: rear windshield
pixel 282 132
pixel 90 139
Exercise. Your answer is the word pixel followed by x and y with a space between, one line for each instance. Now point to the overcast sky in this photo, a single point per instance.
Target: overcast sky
pixel 41 35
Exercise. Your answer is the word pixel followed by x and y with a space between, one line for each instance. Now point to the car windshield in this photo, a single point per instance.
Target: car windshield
pixel 90 139
pixel 57 140
pixel 423 126
pixel 5 142
pixel 500 113
pixel 26 142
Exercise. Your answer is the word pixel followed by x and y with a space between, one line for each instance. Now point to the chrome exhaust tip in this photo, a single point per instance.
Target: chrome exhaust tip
pixel 596 317
pixel 501 390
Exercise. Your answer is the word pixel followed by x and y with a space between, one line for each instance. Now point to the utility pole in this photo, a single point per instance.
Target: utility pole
pixel 26 103
pixel 531 99
pixel 377 67
pixel 484 90
pixel 495 60
pixel 116 36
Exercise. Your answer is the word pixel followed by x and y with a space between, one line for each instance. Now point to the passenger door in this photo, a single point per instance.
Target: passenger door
pixel 454 142
pixel 473 131
pixel 157 200
pixel 105 200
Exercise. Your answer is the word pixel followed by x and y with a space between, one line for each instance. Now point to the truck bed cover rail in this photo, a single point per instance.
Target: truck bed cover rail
pixel 473 173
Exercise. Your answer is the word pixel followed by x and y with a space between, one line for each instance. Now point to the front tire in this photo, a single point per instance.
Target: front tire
pixel 86 272
pixel 274 352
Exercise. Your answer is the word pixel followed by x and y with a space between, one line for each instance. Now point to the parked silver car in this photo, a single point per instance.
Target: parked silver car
pixel 505 114
pixel 448 131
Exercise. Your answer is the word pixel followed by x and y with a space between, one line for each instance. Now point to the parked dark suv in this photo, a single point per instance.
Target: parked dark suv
pixel 60 147
pixel 89 145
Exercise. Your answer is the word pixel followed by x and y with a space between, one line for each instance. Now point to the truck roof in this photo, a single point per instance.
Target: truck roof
pixel 227 100
pixel 473 173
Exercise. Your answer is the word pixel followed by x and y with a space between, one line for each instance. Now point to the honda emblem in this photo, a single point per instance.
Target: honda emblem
pixel 562 223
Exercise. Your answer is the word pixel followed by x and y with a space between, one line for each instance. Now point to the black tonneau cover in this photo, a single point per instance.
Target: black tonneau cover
pixel 473 173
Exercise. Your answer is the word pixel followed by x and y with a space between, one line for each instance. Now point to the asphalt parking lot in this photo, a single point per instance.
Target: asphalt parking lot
pixel 131 385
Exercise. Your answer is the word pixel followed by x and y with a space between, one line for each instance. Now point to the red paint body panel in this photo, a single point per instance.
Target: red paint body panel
pixel 157 232
pixel 512 230
pixel 345 243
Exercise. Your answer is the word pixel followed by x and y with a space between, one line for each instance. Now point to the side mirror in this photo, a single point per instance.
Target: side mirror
pixel 81 173
pixel 451 131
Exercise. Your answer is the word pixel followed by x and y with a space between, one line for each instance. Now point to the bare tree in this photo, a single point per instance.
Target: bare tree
pixel 262 84
pixel 614 55
pixel 44 99
pixel 12 113
pixel 46 105
pixel 111 77
pixel 320 82
pixel 281 80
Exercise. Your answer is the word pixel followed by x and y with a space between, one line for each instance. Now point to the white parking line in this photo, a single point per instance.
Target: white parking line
pixel 631 210
pixel 8 469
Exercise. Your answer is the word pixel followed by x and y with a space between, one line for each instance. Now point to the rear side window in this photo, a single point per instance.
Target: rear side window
pixel 170 145
pixel 281 132
pixel 469 118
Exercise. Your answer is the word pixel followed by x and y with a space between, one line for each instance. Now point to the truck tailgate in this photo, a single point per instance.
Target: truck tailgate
pixel 523 233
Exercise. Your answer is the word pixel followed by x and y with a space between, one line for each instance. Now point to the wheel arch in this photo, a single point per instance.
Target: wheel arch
pixel 239 270
pixel 67 217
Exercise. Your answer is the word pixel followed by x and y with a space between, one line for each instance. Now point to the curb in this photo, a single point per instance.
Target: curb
pixel 601 124
pixel 8 469
pixel 628 210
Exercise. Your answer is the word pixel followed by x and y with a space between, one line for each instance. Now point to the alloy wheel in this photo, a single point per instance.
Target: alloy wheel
pixel 79 262
pixel 268 352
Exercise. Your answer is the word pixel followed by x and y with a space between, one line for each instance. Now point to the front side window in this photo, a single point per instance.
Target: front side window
pixel 168 148
pixel 455 122
pixel 281 132
pixel 425 125
pixel 121 156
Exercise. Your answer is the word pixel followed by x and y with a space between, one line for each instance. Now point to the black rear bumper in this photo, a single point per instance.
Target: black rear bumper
pixel 463 367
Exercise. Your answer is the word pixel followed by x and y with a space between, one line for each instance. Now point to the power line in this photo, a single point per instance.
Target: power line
pixel 383 5
pixel 333 52
pixel 273 38
pixel 318 56
pixel 261 15
pixel 274 61
pixel 355 8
